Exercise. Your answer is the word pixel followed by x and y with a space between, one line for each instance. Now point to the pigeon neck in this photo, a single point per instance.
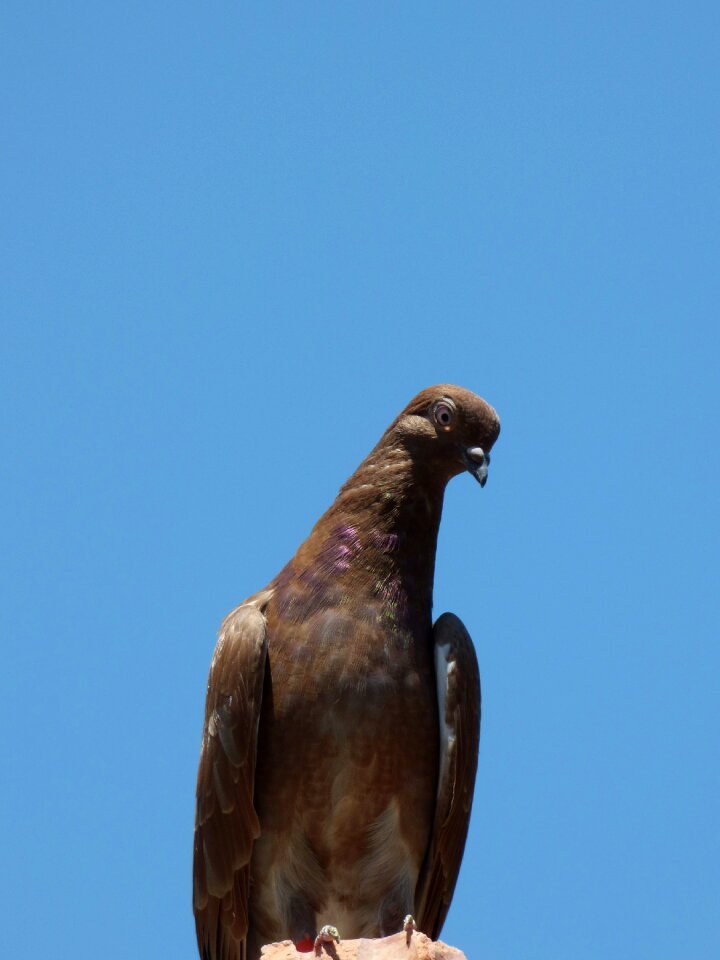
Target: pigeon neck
pixel 383 527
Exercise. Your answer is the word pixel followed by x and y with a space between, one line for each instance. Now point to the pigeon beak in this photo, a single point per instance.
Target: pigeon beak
pixel 477 461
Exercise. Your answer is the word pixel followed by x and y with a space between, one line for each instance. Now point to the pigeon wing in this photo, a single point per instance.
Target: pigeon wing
pixel 458 686
pixel 226 823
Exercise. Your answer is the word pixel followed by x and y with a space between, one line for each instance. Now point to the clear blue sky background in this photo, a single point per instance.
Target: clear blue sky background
pixel 236 239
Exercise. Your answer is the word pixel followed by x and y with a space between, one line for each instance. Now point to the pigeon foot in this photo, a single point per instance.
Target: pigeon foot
pixel 328 934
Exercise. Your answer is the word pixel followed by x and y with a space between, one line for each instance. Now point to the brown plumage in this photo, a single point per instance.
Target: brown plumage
pixel 341 727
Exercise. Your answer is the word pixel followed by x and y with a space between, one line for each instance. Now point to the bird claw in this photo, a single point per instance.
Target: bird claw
pixel 328 934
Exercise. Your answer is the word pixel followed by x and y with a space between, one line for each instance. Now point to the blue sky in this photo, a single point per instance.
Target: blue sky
pixel 236 240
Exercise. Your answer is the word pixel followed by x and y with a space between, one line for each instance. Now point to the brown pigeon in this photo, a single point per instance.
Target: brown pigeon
pixel 341 726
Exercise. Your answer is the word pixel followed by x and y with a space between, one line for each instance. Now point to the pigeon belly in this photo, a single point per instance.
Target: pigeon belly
pixel 347 775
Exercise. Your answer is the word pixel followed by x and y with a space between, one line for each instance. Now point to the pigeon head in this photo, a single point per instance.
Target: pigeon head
pixel 450 428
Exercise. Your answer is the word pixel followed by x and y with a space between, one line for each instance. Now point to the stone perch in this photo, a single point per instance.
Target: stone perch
pixel 399 946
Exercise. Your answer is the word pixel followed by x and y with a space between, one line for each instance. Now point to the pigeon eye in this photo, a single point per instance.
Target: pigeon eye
pixel 443 414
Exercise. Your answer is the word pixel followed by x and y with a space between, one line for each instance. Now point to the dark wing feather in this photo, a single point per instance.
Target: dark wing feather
pixel 225 821
pixel 458 682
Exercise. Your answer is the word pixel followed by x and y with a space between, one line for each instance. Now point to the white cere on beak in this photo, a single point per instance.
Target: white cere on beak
pixel 477 454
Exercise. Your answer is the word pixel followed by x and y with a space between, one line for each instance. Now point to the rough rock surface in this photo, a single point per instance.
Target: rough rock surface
pixel 395 947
